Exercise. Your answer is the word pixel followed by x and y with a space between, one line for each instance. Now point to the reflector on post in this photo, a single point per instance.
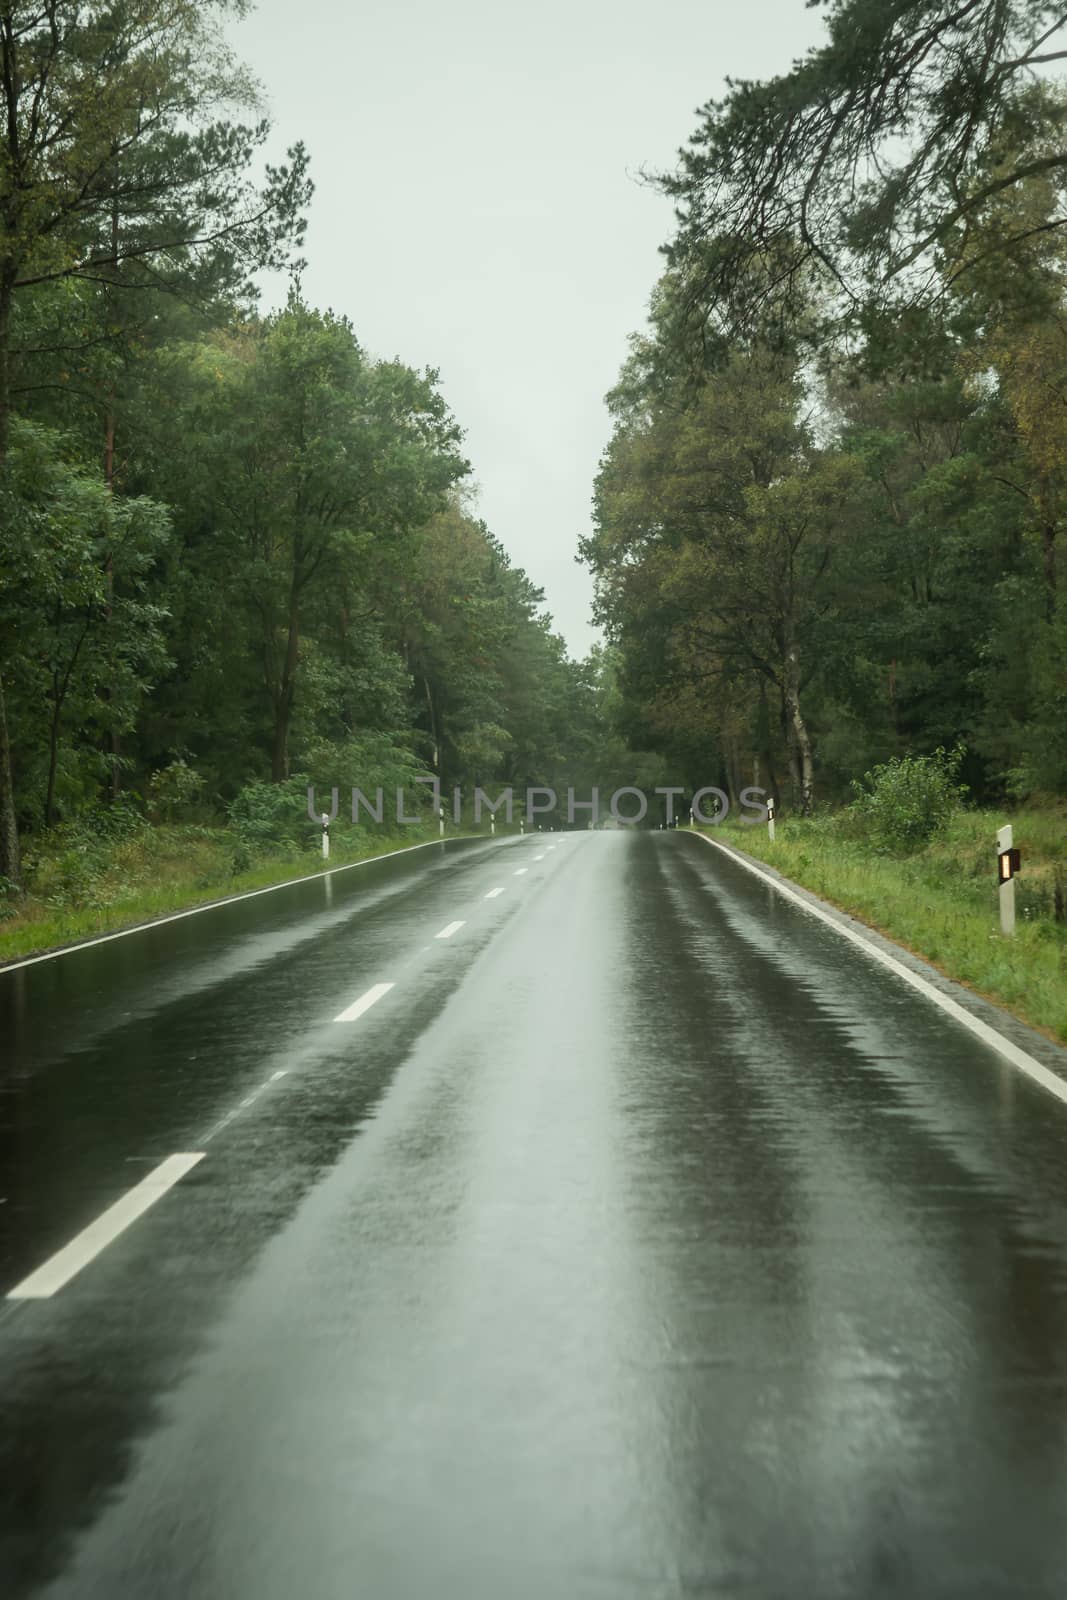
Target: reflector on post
pixel 1007 867
pixel 1010 864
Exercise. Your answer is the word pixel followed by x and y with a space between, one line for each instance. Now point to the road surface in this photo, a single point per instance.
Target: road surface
pixel 642 1238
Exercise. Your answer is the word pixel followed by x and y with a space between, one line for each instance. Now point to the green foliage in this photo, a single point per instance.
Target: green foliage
pixel 941 900
pixel 163 869
pixel 111 126
pixel 904 802
pixel 238 545
pixel 78 863
pixel 266 815
pixel 174 790
pixel 934 103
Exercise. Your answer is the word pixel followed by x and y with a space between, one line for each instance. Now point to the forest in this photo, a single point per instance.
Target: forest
pixel 828 525
pixel 241 553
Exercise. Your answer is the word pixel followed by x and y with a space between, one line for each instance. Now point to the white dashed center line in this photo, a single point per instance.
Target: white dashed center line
pixel 60 1268
pixel 66 1263
pixel 364 1003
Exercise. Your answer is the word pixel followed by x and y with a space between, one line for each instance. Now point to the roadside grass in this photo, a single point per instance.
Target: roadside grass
pixel 941 902
pixel 82 889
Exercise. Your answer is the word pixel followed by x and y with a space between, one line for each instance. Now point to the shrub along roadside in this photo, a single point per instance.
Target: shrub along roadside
pixel 940 900
pixel 84 883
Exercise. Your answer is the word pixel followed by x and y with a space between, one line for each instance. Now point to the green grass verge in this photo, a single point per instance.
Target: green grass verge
pixel 80 891
pixel 941 902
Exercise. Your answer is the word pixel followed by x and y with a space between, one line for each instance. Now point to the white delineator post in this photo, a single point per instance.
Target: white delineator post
pixel 1006 884
pixel 326 836
pixel 441 821
pixel 770 820
pixel 492 824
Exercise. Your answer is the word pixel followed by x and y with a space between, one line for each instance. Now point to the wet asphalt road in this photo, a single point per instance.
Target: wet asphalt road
pixel 644 1239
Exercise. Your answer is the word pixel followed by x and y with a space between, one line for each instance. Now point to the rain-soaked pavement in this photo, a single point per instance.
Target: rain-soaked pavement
pixel 644 1239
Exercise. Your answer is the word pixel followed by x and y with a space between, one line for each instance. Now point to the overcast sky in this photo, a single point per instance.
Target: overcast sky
pixel 477 210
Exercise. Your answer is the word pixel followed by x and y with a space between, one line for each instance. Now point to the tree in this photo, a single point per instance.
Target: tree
pixel 90 642
pixel 716 529
pixel 303 469
pixel 116 167
pixel 857 166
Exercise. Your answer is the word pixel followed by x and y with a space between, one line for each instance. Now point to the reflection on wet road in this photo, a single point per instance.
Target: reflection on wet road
pixel 574 1217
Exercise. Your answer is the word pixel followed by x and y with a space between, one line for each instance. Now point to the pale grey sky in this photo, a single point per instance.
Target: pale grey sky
pixel 477 210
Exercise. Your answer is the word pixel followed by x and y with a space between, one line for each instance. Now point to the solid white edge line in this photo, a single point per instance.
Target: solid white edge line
pixel 216 905
pixel 446 933
pixel 1004 1047
pixel 364 1003
pixel 87 1245
pixel 493 893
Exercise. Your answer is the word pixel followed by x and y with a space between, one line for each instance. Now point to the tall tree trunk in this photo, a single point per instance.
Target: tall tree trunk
pixel 1048 562
pixel 279 762
pixel 53 755
pixel 283 703
pixel 794 771
pixel 10 855
pixel 433 727
pixel 7 294
pixel 764 745
pixel 733 773
pixel 109 484
pixel 792 756
pixel 109 577
pixel 774 788
pixel 800 732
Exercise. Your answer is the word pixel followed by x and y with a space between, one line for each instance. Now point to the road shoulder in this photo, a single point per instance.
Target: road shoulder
pixel 1032 1042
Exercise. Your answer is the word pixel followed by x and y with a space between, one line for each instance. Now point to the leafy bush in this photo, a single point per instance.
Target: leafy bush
pixel 174 790
pixel 9 899
pixel 240 858
pixel 264 816
pixel 370 762
pixel 123 818
pixel 373 760
pixel 76 877
pixel 904 802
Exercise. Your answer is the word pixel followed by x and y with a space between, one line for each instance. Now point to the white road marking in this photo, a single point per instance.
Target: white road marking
pixel 224 1122
pixel 541 857
pixel 520 871
pixel 446 933
pixel 1004 1047
pixel 212 905
pixel 493 894
pixel 60 1268
pixel 250 1100
pixel 364 1003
